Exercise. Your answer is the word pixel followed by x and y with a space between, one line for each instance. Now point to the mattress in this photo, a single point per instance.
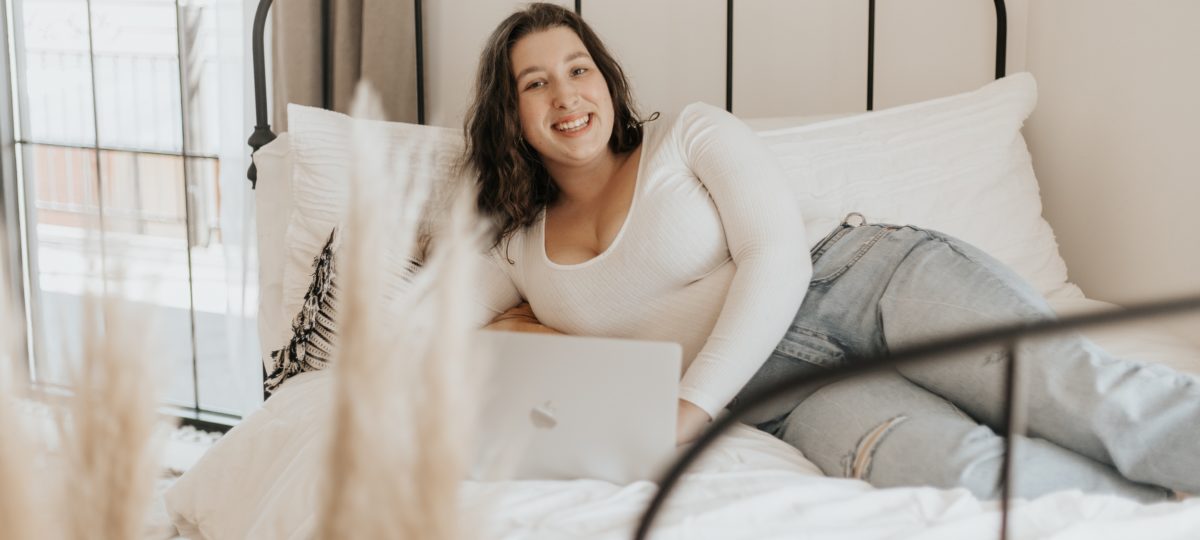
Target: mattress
pixel 260 481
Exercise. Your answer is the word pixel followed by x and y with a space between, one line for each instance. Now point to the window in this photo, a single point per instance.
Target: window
pixel 130 131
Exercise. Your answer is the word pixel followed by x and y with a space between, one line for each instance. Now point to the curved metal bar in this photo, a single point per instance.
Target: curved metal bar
pixel 857 366
pixel 262 129
pixel 1001 47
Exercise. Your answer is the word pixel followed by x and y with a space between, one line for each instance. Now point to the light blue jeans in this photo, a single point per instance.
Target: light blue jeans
pixel 1095 423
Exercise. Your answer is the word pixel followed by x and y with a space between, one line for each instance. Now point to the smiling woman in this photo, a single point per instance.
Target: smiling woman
pixel 566 116
pixel 565 109
pixel 562 56
pixel 586 196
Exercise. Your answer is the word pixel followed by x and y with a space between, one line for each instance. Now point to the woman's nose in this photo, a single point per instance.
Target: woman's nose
pixel 565 95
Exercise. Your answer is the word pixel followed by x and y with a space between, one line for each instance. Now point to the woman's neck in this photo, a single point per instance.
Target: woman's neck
pixel 585 183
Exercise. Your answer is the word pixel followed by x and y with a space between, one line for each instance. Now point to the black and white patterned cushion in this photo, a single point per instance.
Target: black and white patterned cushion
pixel 313 329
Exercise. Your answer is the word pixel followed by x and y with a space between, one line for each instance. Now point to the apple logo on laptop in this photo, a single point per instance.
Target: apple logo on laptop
pixel 542 416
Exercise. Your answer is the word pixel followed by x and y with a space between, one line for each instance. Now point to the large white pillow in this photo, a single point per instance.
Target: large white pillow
pixel 956 164
pixel 321 147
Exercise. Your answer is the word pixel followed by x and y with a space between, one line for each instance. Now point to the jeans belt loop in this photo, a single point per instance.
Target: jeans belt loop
pixel 852 222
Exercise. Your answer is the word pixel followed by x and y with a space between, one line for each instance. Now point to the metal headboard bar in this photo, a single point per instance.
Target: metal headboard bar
pixel 1001 38
pixel 326 55
pixel 1003 335
pixel 263 134
pixel 262 128
pixel 871 56
pixel 420 38
pixel 1001 47
pixel 729 55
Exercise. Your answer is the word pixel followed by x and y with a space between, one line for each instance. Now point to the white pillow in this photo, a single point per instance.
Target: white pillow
pixel 956 164
pixel 272 211
pixel 768 123
pixel 321 149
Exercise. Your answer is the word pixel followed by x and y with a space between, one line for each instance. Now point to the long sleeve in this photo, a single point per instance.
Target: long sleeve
pixel 497 292
pixel 766 241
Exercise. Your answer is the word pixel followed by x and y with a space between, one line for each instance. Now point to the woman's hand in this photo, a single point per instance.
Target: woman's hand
pixel 692 421
pixel 519 318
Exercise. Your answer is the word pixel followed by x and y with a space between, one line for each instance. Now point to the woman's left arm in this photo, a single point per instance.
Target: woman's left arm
pixel 765 234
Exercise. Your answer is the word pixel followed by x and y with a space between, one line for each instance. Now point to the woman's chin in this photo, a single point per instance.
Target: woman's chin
pixel 574 152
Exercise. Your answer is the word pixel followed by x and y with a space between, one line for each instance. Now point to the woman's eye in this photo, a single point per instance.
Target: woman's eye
pixel 535 84
pixel 578 71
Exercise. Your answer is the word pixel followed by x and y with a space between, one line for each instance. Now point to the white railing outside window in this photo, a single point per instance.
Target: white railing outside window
pixel 130 122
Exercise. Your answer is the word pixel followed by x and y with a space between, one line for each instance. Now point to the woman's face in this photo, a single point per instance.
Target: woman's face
pixel 565 109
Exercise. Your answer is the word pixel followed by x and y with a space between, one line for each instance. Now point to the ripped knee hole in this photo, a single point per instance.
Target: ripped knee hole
pixel 857 464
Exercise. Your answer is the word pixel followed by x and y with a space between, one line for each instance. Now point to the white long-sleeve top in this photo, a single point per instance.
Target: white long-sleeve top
pixel 712 255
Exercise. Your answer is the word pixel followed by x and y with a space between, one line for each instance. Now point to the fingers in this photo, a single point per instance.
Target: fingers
pixel 691 422
pixel 523 309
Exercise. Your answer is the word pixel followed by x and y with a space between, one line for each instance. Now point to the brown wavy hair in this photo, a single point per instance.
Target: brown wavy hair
pixel 514 186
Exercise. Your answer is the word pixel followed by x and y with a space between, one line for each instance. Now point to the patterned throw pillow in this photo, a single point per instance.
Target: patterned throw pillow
pixel 313 329
pixel 314 332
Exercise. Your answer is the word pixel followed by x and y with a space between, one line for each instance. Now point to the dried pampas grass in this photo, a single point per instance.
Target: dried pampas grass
pixel 97 476
pixel 109 428
pixel 405 398
pixel 20 519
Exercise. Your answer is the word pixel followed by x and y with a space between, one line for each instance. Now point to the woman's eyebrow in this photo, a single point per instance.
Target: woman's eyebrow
pixel 576 54
pixel 531 69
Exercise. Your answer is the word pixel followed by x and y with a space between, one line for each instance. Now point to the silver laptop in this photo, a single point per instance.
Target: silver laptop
pixel 567 407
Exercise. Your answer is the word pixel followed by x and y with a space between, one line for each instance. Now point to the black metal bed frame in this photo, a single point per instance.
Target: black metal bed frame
pixel 262 129
pixel 1009 336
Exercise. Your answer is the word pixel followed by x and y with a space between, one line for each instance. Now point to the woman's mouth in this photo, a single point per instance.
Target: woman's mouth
pixel 575 125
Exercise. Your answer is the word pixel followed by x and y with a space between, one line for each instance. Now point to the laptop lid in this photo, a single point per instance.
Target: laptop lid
pixel 569 407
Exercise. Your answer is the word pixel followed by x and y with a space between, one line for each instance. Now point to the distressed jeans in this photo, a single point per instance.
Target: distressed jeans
pixel 1095 423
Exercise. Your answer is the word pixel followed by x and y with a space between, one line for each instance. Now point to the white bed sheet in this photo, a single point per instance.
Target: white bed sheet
pixel 261 481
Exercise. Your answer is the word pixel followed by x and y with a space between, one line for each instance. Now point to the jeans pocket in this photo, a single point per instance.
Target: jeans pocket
pixel 810 346
pixel 800 352
pixel 838 258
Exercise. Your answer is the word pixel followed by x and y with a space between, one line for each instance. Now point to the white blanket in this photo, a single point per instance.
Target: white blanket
pixel 260 481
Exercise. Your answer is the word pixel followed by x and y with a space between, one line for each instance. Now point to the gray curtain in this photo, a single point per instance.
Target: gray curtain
pixel 371 39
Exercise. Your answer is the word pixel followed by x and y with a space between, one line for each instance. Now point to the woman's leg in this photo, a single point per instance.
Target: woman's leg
pixel 846 314
pixel 1143 419
pixel 886 430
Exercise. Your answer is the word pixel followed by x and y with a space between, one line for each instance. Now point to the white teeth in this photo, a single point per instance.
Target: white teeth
pixel 574 125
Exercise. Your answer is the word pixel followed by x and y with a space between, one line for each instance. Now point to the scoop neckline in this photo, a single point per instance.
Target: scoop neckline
pixel 633 203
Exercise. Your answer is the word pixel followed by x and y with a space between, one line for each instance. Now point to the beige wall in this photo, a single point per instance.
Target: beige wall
pixel 1114 141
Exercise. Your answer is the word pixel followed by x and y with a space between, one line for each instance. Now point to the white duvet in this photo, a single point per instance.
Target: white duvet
pixel 260 481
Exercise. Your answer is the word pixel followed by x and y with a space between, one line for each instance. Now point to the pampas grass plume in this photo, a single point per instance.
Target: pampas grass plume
pixel 20 519
pixel 110 428
pixel 404 401
pixel 102 466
